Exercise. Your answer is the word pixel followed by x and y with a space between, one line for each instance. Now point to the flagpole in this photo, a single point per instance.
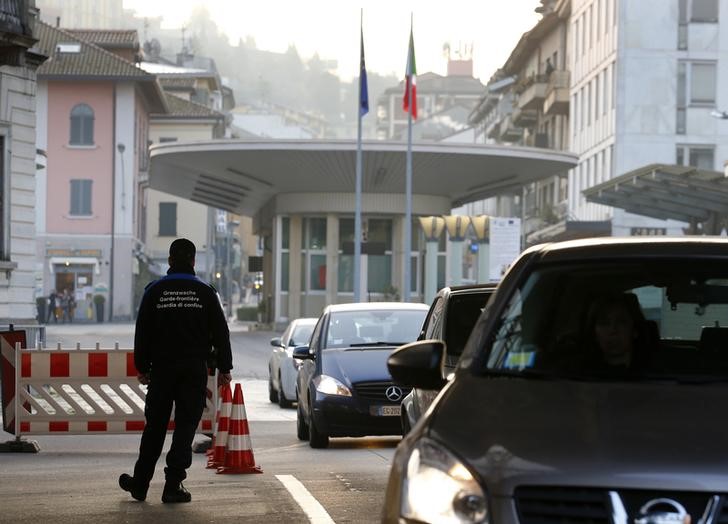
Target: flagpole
pixel 408 196
pixel 357 198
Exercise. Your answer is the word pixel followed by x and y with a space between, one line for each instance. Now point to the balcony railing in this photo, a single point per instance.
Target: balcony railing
pixel 557 94
pixel 14 17
pixel 533 95
pixel 524 117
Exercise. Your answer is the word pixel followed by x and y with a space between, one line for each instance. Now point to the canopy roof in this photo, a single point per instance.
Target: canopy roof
pixel 242 175
pixel 666 191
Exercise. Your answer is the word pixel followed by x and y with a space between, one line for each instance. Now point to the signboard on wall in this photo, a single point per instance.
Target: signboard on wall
pixel 505 245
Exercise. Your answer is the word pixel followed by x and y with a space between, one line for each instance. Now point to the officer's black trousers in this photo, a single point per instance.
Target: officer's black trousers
pixel 183 384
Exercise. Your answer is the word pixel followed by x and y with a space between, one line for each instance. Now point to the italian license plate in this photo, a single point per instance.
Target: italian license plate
pixel 385 411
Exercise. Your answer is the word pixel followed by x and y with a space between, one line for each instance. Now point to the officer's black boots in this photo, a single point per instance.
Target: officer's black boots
pixel 175 492
pixel 128 483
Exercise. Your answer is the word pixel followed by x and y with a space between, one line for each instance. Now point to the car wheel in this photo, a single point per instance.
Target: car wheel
pixel 301 426
pixel 283 402
pixel 272 393
pixel 316 439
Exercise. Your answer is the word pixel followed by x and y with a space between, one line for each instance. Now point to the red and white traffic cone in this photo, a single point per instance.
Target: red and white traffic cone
pixel 216 458
pixel 239 452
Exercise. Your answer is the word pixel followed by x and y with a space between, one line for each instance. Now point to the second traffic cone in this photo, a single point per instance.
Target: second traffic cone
pixel 239 451
pixel 219 440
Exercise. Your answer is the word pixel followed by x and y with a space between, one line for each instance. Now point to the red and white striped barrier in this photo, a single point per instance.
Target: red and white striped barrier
pixel 79 392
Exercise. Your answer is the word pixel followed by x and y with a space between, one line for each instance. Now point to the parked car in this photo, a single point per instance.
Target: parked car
pixel 589 390
pixel 452 315
pixel 282 367
pixel 344 388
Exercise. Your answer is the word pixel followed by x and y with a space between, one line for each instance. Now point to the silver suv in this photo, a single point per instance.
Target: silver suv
pixel 592 389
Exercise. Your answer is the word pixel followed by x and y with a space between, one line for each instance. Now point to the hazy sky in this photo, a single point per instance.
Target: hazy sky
pixel 331 28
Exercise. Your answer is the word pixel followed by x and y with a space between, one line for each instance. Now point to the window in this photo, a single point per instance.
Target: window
pixel 285 254
pixel 4 200
pixel 82 125
pixel 346 262
pixel 167 219
pixel 702 157
pixel 682 24
pixel 80 197
pixel 379 267
pixel 314 235
pixel 704 11
pixel 702 83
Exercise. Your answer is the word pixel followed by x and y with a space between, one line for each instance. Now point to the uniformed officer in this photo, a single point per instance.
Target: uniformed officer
pixel 180 321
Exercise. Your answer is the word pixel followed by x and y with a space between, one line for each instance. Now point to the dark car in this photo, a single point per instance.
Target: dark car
pixel 344 388
pixel 591 389
pixel 452 315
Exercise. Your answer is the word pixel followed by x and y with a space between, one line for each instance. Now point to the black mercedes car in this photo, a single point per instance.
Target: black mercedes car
pixel 343 386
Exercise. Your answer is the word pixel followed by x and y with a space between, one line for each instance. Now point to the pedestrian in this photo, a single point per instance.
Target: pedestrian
pixel 179 324
pixel 63 303
pixel 52 305
pixel 71 306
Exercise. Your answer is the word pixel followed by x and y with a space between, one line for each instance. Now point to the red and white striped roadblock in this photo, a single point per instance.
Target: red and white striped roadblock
pixel 78 391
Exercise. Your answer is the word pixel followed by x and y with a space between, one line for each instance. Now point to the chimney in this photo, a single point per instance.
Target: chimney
pixel 58 21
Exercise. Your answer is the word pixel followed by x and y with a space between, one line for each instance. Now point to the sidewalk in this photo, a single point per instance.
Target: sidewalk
pixel 123 328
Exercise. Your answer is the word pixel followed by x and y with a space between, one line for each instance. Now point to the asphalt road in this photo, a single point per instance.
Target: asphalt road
pixel 74 478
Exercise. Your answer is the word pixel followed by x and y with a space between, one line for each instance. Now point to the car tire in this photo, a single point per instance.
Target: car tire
pixel 272 393
pixel 283 402
pixel 316 438
pixel 301 426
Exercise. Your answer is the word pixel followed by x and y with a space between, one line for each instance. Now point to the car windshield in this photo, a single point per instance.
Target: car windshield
pixel 652 320
pixel 301 334
pixel 391 327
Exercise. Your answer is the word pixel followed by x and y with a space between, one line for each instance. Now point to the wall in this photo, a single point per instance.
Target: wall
pixel 66 162
pixel 17 112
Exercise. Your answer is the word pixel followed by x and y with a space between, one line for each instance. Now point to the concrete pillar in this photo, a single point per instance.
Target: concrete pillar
pixel 294 271
pixel 457 227
pixel 332 258
pixel 432 227
pixel 481 226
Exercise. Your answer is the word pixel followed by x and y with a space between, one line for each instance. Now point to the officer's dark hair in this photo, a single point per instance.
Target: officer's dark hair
pixel 181 252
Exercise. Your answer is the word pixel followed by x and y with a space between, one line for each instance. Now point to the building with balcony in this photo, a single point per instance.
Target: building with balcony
pixel 645 77
pixel 93 123
pixel 19 61
pixel 534 82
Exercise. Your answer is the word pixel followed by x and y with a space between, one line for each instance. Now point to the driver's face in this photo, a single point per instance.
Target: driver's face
pixel 615 332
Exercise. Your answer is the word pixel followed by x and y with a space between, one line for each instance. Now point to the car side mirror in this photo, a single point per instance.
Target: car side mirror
pixel 302 353
pixel 418 364
pixel 275 342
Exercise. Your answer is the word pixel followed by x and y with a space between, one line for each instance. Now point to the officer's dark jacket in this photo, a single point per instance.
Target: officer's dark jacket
pixel 180 318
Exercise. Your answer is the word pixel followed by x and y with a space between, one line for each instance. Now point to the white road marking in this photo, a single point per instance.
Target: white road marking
pixel 310 506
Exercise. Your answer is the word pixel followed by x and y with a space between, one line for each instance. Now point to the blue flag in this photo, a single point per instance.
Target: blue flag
pixel 363 90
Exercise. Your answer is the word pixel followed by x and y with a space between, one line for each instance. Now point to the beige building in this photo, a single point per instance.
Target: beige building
pixel 167 216
pixel 18 84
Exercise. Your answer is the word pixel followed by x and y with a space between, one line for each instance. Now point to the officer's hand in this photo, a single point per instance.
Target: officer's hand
pixel 223 379
pixel 143 378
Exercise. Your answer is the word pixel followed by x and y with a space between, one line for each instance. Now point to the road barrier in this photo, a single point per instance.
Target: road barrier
pixel 77 391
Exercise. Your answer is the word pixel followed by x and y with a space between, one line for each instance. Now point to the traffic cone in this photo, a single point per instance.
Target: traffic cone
pixel 239 451
pixel 216 458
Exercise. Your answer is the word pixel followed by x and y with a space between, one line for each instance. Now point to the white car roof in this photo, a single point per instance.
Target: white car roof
pixel 377 306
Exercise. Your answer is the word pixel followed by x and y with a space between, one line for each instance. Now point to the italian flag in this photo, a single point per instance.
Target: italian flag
pixel 410 95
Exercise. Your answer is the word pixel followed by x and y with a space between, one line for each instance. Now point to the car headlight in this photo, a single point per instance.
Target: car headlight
pixel 437 487
pixel 330 386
